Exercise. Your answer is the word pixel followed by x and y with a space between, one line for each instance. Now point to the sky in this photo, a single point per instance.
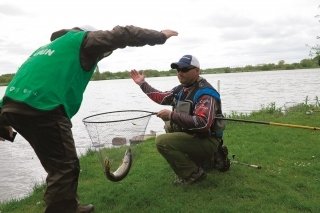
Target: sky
pixel 228 33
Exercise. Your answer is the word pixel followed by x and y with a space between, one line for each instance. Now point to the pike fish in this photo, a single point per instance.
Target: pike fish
pixel 122 170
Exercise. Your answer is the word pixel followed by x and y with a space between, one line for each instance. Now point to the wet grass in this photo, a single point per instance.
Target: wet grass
pixel 289 180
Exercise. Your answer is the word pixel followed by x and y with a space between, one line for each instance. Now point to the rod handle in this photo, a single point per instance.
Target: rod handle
pixel 255 166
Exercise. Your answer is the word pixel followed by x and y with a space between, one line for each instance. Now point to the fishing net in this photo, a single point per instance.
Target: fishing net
pixel 117 129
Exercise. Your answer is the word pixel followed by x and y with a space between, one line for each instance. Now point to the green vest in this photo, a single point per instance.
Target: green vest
pixel 53 76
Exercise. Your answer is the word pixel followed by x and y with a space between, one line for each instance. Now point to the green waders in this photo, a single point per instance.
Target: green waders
pixel 185 152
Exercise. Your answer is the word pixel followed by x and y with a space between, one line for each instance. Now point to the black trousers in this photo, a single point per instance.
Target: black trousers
pixel 51 138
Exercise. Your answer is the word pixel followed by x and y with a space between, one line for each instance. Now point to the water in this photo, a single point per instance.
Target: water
pixel 20 169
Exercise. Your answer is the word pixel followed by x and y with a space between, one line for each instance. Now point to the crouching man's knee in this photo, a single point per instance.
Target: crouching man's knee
pixel 162 143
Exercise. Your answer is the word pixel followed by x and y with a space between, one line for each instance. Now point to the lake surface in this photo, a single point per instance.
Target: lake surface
pixel 20 168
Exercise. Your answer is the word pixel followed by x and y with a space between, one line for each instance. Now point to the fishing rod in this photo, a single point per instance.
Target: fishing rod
pixel 245 164
pixel 269 123
pixel 264 122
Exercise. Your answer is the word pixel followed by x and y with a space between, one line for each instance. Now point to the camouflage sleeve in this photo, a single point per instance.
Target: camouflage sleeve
pixel 163 98
pixel 202 117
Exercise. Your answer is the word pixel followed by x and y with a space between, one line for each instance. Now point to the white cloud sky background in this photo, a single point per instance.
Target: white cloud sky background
pixel 219 33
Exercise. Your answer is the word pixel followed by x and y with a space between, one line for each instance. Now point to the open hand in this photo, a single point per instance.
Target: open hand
pixel 136 77
pixel 170 33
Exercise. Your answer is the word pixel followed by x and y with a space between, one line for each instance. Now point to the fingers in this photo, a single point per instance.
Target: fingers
pixel 136 77
pixel 164 114
pixel 169 33
pixel 134 74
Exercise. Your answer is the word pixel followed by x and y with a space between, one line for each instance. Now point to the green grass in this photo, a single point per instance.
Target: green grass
pixel 289 180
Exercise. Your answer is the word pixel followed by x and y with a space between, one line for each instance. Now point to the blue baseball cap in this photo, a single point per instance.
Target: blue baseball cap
pixel 186 61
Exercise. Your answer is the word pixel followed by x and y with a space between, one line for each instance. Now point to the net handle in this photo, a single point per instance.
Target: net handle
pixel 151 113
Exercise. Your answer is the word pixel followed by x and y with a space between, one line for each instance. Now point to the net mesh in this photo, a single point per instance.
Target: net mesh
pixel 116 129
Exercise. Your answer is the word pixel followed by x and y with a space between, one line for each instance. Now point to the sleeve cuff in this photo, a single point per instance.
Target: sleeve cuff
pixel 141 83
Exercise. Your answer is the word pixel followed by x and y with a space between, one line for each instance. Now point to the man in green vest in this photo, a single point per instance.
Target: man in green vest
pixel 47 91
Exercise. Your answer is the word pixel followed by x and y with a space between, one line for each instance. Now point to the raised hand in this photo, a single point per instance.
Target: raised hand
pixel 136 77
pixel 170 33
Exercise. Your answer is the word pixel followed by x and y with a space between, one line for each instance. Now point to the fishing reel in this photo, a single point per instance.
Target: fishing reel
pixel 221 160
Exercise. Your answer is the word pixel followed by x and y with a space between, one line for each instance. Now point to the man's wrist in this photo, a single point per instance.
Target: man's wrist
pixel 141 83
pixel 170 116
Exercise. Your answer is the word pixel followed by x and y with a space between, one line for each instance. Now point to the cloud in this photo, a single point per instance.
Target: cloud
pixel 7 67
pixel 11 10
pixel 225 33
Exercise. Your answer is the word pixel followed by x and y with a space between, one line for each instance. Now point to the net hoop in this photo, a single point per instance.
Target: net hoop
pixel 116 129
pixel 87 119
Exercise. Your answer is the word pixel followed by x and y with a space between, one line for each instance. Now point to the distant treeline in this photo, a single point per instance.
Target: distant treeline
pixel 304 64
pixel 5 79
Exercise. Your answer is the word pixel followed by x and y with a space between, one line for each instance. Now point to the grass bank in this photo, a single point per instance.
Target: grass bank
pixel 289 180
